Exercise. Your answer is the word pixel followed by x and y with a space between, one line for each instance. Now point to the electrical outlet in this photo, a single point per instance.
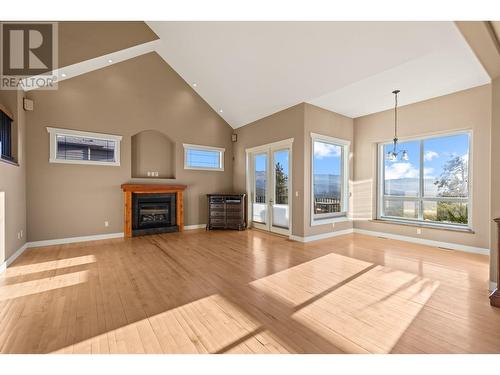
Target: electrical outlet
pixel 22 233
pixel 106 223
pixel 419 230
pixel 296 193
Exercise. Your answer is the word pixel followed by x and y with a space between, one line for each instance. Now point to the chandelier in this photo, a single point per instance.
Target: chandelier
pixel 393 155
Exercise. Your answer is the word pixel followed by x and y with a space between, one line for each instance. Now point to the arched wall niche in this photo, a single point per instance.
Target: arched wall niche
pixel 153 152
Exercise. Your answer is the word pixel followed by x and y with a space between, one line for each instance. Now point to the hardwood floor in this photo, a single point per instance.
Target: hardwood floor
pixel 247 292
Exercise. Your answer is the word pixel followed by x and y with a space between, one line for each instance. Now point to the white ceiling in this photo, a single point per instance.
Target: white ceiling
pixel 254 69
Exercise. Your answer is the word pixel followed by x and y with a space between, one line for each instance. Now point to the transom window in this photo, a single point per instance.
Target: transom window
pixel 432 186
pixel 329 180
pixel 77 147
pixel 203 157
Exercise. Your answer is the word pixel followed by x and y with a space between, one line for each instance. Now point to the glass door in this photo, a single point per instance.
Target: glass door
pixel 260 212
pixel 269 172
pixel 280 183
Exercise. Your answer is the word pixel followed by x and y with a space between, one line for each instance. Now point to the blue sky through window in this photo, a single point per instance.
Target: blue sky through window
pixel 327 158
pixel 282 158
pixel 402 176
pixel 438 151
pixel 260 163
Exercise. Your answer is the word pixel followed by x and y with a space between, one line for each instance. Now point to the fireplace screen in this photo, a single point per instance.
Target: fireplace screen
pixel 153 213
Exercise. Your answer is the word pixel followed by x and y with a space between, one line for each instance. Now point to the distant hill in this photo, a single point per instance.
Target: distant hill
pixel 327 185
pixel 409 186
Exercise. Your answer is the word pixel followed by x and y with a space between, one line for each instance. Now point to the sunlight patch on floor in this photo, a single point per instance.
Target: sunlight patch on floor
pixel 298 284
pixel 16 270
pixel 208 325
pixel 42 285
pixel 371 312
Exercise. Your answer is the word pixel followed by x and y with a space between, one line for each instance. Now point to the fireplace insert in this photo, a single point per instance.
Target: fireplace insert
pixel 153 213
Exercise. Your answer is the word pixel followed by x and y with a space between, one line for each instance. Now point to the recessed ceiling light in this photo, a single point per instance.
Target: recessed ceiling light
pixel 195 84
pixel 110 61
pixel 220 111
pixel 63 75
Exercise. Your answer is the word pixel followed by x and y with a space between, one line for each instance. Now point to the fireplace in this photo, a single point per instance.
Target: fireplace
pixel 152 208
pixel 153 213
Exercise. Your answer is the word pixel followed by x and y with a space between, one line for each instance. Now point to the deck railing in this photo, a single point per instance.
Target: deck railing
pixel 326 205
pixel 322 205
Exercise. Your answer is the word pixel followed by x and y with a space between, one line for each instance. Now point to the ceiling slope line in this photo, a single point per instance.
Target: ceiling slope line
pixel 93 64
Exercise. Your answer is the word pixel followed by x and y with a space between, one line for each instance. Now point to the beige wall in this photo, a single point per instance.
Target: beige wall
pixel 285 124
pixel 469 109
pixel 296 122
pixel 13 179
pixel 80 41
pixel 143 93
pixel 324 122
pixel 277 127
pixel 495 175
pixel 152 151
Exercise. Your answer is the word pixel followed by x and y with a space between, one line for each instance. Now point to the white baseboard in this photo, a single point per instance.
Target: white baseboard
pixel 97 237
pixel 62 241
pixel 448 245
pixel 423 241
pixel 195 226
pixel 321 236
pixel 13 257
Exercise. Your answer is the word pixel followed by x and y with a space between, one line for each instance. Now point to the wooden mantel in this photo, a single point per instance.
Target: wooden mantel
pixel 495 296
pixel 129 189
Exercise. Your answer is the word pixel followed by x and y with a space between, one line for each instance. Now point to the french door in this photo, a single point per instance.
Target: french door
pixel 269 177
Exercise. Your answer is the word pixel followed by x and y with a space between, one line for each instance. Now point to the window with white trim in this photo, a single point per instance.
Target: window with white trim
pixel 431 187
pixel 203 157
pixel 79 147
pixel 329 179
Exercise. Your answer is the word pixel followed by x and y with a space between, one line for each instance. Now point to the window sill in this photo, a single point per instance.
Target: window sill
pixel 204 169
pixel 11 162
pixel 338 219
pixel 84 162
pixel 423 225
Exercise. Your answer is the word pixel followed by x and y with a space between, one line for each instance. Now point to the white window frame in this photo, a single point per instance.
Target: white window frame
pixel 421 198
pixel 320 219
pixel 54 132
pixel 221 151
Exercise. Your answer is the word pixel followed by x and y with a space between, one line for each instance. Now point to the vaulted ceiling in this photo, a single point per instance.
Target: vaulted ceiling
pixel 248 70
pixel 252 69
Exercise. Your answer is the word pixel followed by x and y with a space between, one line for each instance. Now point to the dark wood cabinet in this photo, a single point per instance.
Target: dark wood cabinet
pixel 226 211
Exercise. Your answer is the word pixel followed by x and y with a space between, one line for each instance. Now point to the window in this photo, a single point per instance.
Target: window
pixel 203 157
pixel 329 180
pixel 77 147
pixel 6 137
pixel 432 186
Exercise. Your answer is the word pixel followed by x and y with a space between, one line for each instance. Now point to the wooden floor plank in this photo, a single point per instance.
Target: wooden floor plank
pixel 246 292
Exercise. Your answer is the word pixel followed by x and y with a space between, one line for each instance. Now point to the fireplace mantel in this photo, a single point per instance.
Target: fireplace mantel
pixel 129 189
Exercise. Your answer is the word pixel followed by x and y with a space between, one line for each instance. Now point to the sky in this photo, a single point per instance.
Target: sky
pixel 437 151
pixel 280 156
pixel 327 158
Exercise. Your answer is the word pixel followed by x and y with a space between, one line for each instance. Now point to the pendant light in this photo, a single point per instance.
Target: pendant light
pixel 393 155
